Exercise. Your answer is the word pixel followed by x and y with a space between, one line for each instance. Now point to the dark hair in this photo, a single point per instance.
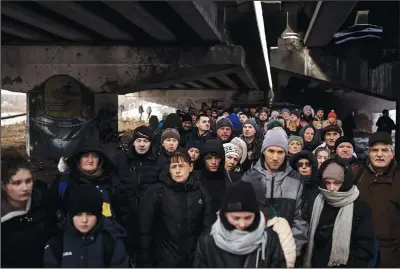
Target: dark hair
pixel 153 121
pixel 202 115
pixel 11 162
pixel 178 157
pixel 228 110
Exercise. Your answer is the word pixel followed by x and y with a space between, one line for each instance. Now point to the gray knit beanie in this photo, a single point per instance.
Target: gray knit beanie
pixel 275 138
pixel 333 171
pixel 170 133
pixel 224 122
pixel 251 122
pixel 296 138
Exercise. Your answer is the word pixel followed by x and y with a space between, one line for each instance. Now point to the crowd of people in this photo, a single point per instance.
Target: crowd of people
pixel 232 188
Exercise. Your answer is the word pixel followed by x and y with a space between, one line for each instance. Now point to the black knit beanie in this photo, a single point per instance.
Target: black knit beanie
pixel 172 121
pixel 295 112
pixel 345 139
pixel 240 197
pixel 85 198
pixel 187 117
pixel 142 132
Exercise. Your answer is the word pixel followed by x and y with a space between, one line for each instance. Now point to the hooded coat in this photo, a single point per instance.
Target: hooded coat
pixel 313 144
pixel 119 203
pixel 215 182
pixel 172 217
pixel 171 121
pixel 86 251
pixel 24 233
pixel 310 183
pixel 362 249
pixel 284 192
pixel 105 179
pixel 237 125
pixel 308 119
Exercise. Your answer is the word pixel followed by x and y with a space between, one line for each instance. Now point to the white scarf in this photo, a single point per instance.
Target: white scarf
pixel 342 228
pixel 240 242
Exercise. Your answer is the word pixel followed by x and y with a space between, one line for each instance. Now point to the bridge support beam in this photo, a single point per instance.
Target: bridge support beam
pixel 346 73
pixel 326 20
pixel 117 69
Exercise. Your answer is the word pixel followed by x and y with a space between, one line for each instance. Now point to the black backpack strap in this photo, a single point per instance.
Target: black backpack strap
pixel 56 246
pixel 109 248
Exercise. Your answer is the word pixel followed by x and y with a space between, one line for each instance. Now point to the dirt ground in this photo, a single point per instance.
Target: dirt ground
pixel 13 136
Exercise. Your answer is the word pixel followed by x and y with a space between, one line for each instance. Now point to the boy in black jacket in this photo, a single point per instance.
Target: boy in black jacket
pixel 85 241
pixel 173 214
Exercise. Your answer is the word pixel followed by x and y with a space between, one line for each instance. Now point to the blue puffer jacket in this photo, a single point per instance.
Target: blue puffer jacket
pixel 89 251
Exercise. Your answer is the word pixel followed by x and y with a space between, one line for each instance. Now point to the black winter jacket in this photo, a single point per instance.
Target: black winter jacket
pixel 24 235
pixel 362 247
pixel 208 255
pixel 87 251
pixel 172 217
pixel 253 152
pixel 138 172
pixel 310 183
pixel 118 204
pixel 107 182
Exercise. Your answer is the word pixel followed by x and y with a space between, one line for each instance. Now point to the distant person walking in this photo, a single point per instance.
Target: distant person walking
pixel 149 111
pixel 141 110
pixel 121 109
pixel 385 123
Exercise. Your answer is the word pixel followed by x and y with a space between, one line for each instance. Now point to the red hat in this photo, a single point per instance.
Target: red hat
pixel 332 114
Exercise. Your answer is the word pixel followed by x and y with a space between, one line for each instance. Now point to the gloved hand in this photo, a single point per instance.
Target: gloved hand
pixel 62 165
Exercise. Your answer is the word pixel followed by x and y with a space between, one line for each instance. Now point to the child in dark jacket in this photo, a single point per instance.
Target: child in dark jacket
pixel 84 241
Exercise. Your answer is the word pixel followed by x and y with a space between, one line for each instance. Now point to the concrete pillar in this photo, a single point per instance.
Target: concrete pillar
pixel 62 111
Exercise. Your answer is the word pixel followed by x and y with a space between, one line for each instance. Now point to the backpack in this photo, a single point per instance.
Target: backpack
pixel 57 245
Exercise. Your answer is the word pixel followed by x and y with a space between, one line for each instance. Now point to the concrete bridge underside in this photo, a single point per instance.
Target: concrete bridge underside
pixel 100 49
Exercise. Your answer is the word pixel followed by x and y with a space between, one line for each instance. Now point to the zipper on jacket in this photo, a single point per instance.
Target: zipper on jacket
pixel 272 188
pixel 184 225
pixel 140 173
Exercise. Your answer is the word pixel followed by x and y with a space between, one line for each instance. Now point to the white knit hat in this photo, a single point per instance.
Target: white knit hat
pixel 231 150
pixel 240 143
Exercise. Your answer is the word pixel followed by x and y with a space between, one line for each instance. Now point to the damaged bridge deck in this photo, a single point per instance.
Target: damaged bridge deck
pixel 122 46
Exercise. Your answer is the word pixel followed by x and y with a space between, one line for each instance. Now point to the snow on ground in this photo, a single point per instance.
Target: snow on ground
pixel 12 120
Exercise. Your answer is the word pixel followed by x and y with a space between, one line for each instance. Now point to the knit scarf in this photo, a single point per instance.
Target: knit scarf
pixel 342 228
pixel 240 242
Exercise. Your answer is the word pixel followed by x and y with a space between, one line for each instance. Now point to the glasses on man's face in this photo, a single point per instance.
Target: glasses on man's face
pixel 377 150
pixel 302 164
